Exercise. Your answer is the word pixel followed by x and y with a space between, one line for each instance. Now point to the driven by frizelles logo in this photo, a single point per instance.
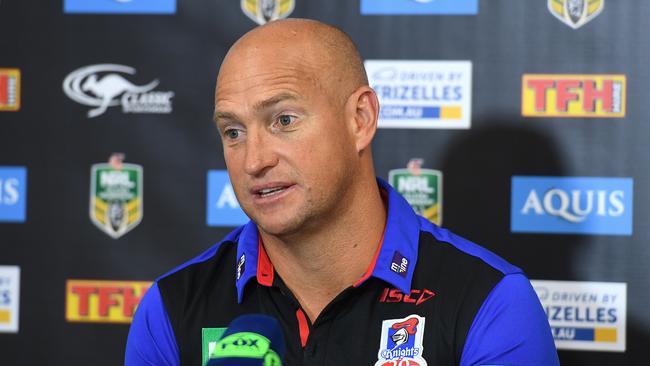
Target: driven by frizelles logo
pixel 102 86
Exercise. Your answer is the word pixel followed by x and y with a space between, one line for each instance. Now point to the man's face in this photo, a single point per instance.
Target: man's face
pixel 287 147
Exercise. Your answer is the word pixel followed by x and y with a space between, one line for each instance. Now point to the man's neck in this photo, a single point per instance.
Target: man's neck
pixel 318 265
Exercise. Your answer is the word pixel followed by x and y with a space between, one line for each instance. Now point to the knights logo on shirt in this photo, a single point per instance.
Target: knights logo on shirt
pixel 116 196
pixel 401 342
pixel 575 13
pixel 422 188
pixel 264 11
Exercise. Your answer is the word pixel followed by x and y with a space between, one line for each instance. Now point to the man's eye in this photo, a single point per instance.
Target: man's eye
pixel 232 134
pixel 285 120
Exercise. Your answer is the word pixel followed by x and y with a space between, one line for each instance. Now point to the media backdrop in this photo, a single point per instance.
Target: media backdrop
pixel 521 125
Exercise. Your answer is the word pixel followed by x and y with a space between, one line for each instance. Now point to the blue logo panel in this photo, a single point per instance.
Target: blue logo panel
pixel 120 6
pixel 13 194
pixel 572 205
pixel 222 207
pixel 415 7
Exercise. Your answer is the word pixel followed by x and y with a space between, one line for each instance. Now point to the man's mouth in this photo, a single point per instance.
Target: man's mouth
pixel 268 192
pixel 271 189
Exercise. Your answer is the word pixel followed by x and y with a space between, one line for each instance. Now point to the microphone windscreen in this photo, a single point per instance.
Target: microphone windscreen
pixel 250 340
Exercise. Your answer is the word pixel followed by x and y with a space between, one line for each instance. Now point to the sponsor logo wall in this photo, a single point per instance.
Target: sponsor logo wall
pixel 95 301
pixel 9 298
pixel 222 205
pixel 108 85
pixel 542 103
pixel 9 90
pixel 116 199
pixel 599 96
pixel 416 7
pixel 422 94
pixel 13 194
pixel 585 315
pixel 575 205
pixel 422 188
pixel 263 11
pixel 120 6
pixel 575 13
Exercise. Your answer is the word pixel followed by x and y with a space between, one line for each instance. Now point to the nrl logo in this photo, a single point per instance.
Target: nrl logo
pixel 116 196
pixel 575 13
pixel 264 11
pixel 422 188
pixel 102 86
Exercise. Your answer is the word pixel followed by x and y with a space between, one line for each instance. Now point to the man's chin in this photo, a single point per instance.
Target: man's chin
pixel 275 227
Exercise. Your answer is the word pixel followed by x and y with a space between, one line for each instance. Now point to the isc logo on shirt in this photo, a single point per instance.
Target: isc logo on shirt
pixel 578 205
pixel 9 298
pixel 222 207
pixel 13 191
pixel 573 95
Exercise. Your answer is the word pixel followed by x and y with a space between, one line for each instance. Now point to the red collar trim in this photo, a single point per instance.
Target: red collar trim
pixel 264 266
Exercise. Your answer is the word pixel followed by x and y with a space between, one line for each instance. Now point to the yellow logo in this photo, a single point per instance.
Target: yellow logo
pixel 575 13
pixel 264 11
pixel 9 90
pixel 103 301
pixel 573 95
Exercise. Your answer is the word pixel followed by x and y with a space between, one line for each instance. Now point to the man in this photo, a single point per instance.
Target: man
pixel 336 255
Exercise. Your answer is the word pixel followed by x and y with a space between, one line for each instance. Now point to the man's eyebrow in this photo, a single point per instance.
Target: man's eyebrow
pixel 266 103
pixel 219 115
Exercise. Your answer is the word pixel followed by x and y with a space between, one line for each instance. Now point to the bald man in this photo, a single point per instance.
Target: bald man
pixel 353 275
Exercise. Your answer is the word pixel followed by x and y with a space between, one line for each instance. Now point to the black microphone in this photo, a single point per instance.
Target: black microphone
pixel 250 340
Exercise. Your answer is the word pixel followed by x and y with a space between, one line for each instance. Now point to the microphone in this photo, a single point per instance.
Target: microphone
pixel 250 340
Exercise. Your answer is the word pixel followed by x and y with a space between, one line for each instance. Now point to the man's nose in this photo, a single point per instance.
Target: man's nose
pixel 259 154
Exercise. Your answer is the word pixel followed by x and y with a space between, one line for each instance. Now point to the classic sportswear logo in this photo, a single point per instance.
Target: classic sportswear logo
pixel 13 193
pixel 222 206
pixel 422 94
pixel 9 298
pixel 120 6
pixel 9 90
pixel 264 11
pixel 578 205
pixel 585 315
pixel 102 86
pixel 422 189
pixel 573 95
pixel 415 7
pixel 575 13
pixel 103 301
pixel 116 199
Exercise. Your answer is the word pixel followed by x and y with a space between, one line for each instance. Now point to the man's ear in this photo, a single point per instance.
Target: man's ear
pixel 363 111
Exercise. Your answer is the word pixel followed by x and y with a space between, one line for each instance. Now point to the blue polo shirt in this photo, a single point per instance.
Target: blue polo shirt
pixel 429 298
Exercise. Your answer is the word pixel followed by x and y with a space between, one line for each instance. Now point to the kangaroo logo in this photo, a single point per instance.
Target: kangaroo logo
pixel 102 86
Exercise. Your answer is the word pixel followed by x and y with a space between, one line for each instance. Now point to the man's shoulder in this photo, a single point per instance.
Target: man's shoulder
pixel 458 270
pixel 218 260
pixel 462 253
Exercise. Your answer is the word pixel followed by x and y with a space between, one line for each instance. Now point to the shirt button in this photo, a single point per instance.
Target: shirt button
pixel 310 349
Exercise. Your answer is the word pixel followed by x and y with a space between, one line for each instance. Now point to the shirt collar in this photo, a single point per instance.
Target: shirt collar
pixel 394 261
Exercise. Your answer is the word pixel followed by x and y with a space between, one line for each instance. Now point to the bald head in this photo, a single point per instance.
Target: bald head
pixel 320 52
